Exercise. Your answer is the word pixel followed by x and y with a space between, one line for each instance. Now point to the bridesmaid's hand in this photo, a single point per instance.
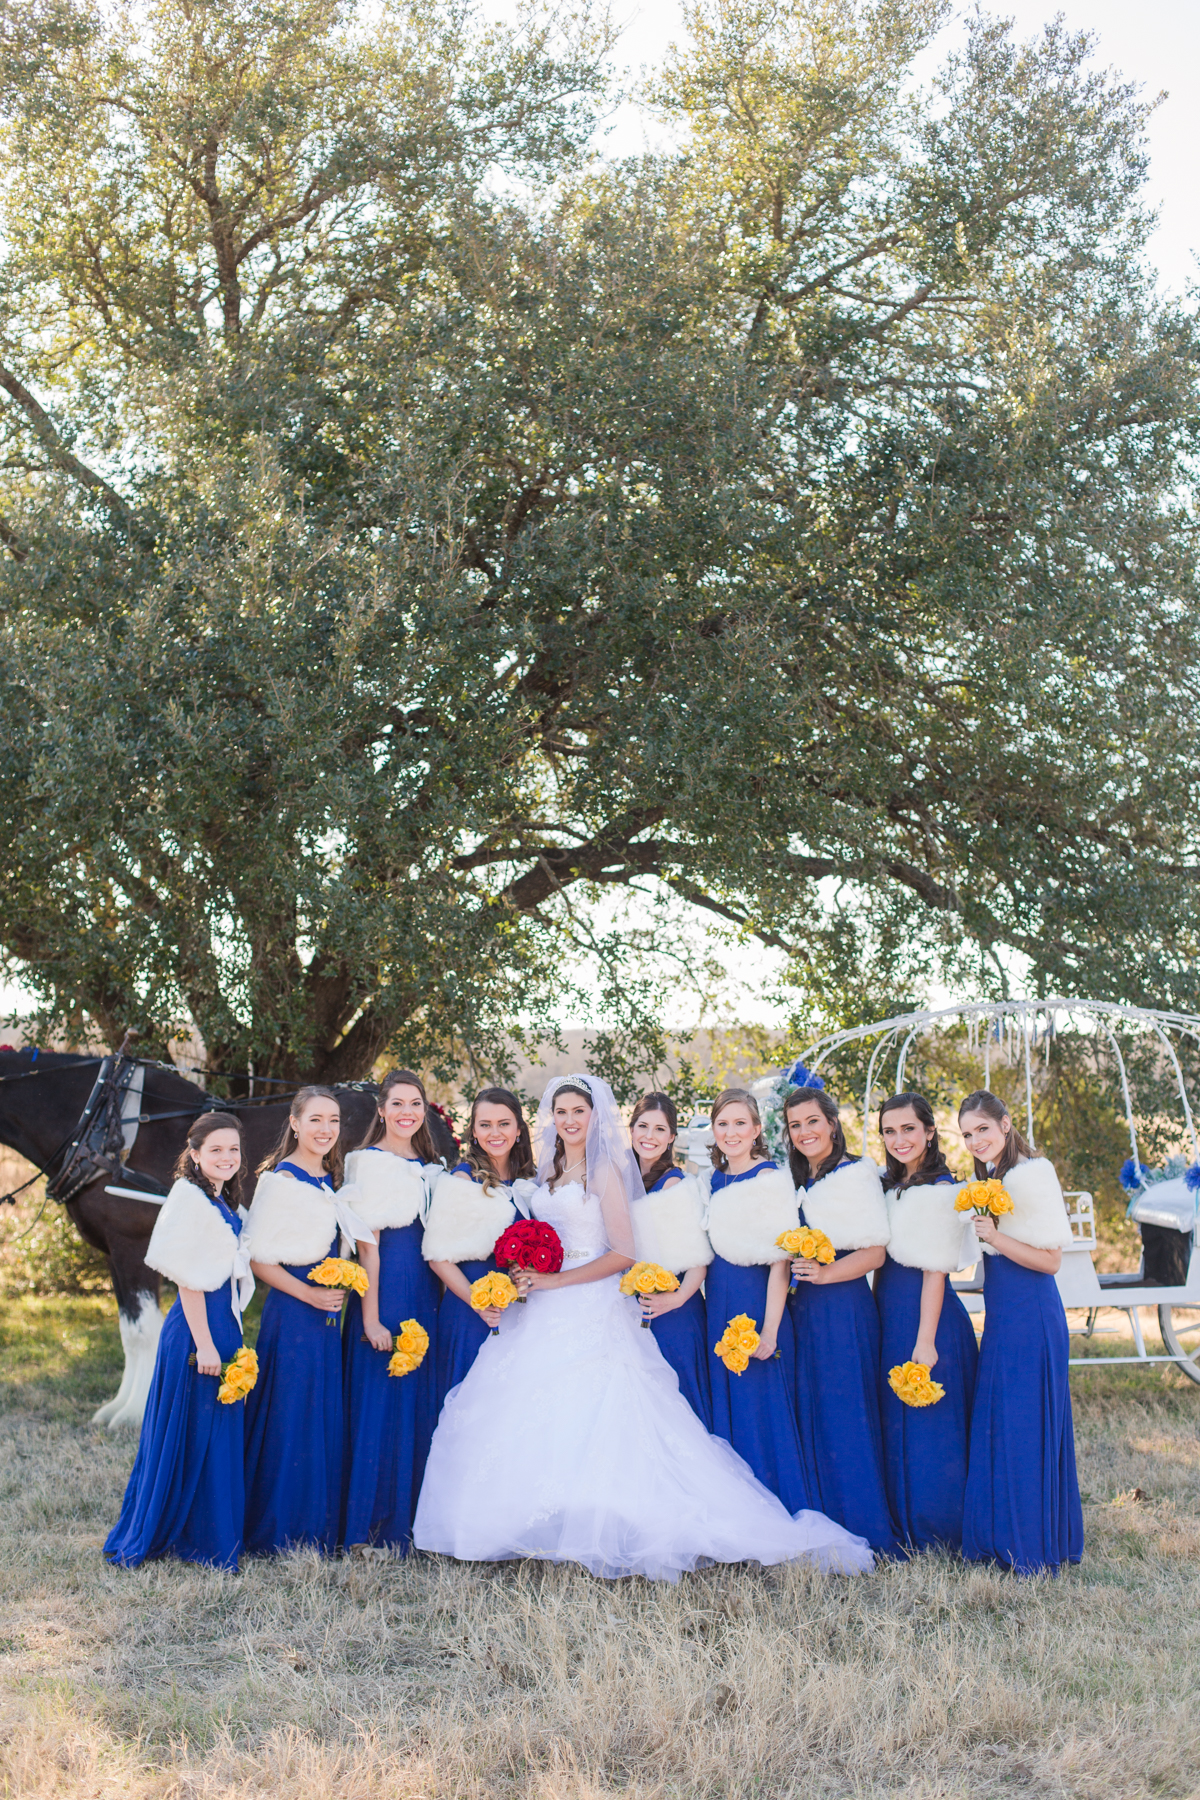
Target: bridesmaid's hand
pixel 924 1353
pixel 766 1348
pixel 491 1316
pixel 655 1305
pixel 985 1229
pixel 804 1269
pixel 378 1336
pixel 325 1299
pixel 207 1360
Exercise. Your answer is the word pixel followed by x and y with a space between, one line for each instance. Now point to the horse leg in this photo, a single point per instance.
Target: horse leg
pixel 141 1324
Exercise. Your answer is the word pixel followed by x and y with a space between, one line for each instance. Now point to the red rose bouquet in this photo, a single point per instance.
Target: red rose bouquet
pixel 528 1244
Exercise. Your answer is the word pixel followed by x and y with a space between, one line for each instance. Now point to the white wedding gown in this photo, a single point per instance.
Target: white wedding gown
pixel 570 1441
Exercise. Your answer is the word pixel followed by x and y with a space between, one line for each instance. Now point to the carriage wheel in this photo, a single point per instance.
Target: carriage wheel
pixel 1180 1327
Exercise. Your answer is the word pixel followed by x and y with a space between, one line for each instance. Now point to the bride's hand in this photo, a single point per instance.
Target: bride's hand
pixel 530 1280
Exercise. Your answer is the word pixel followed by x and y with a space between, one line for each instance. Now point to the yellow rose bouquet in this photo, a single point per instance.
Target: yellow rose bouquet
pixel 984 1197
pixel 648 1278
pixel 805 1241
pixel 238 1376
pixel 412 1341
pixel 737 1344
pixel 493 1289
pixel 339 1271
pixel 910 1382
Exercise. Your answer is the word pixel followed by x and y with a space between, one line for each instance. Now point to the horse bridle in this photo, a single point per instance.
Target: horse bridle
pixel 93 1145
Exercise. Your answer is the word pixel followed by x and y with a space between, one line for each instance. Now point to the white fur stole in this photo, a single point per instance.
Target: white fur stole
pixel 464 1221
pixel 926 1232
pixel 848 1206
pixel 293 1222
pixel 1039 1214
pixel 745 1218
pixel 668 1226
pixel 193 1246
pixel 388 1190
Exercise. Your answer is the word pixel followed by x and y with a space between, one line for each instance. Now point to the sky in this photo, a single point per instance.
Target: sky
pixel 1154 43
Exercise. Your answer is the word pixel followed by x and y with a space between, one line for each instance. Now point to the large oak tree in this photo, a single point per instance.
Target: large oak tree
pixel 416 524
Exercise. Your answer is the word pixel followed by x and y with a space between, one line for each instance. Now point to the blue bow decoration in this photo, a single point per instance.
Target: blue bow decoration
pixel 1133 1175
pixel 1192 1177
pixel 799 1076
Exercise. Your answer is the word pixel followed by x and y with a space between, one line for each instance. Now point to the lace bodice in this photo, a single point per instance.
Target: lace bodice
pixel 576 1216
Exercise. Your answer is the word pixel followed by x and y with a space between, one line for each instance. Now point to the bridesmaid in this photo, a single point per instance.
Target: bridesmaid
pixel 185 1496
pixel 470 1208
pixel 672 1213
pixel 1022 1501
pixel 837 1324
pixel 923 1320
pixel 390 1418
pixel 752 1203
pixel 294 1424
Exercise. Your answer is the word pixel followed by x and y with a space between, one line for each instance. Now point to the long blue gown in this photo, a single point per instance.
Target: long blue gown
pixel 925 1447
pixel 185 1495
pixel 389 1418
pixel 682 1336
pixel 461 1332
pixel 753 1410
pixel 1022 1502
pixel 837 1406
pixel 294 1430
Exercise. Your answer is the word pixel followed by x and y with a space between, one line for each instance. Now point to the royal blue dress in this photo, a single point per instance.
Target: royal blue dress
pixel 753 1410
pixel 185 1496
pixel 682 1336
pixel 837 1406
pixel 461 1331
pixel 925 1447
pixel 389 1418
pixel 294 1428
pixel 1022 1502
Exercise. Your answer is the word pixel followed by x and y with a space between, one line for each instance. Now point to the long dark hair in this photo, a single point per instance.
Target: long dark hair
pixel 521 1166
pixel 736 1097
pixel 1015 1146
pixel 666 1164
pixel 933 1163
pixel 186 1169
pixel 801 1171
pixel 333 1159
pixel 560 1149
pixel 422 1137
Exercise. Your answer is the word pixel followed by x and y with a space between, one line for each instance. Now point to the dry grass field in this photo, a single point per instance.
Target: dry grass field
pixel 385 1681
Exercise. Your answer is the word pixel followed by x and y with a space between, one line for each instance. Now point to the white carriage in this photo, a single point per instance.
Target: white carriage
pixel 1025 1024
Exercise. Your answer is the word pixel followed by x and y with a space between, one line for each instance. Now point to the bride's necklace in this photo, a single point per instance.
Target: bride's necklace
pixel 581 1164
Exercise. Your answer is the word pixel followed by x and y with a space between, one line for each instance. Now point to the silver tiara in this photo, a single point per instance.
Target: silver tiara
pixel 562 1081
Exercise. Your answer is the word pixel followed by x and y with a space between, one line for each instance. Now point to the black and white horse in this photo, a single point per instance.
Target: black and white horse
pixel 43 1097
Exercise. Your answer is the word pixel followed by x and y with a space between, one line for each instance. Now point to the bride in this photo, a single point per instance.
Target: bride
pixel 568 1439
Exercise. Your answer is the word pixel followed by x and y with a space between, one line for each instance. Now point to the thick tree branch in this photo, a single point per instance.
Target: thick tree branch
pixel 60 456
